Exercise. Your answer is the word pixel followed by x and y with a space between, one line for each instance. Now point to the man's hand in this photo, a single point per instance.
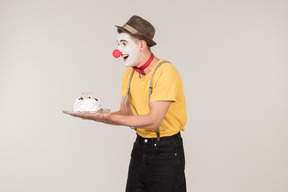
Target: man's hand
pixel 99 117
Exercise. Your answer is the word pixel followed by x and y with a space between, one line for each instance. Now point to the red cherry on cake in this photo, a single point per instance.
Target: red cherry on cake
pixel 116 53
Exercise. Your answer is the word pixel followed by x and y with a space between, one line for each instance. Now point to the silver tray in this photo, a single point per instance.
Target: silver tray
pixel 70 111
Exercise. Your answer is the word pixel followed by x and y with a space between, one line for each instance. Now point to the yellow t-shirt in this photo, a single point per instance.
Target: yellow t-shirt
pixel 168 86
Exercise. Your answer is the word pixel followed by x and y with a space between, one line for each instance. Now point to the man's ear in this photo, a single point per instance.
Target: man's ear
pixel 143 44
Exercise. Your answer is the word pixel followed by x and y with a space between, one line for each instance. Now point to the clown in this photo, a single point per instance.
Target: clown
pixel 130 48
pixel 153 103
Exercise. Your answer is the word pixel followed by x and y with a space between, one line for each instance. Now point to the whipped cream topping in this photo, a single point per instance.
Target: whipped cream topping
pixel 81 104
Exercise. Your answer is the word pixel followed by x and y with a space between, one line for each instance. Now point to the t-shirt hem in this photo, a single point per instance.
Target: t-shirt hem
pixel 161 135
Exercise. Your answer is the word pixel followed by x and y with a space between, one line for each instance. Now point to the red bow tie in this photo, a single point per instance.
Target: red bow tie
pixel 141 69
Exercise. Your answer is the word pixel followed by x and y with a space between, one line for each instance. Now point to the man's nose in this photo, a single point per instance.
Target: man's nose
pixel 116 53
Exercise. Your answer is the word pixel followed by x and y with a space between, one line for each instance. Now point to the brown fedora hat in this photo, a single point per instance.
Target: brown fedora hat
pixel 139 28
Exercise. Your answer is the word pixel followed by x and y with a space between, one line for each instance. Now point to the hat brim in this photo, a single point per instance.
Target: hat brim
pixel 149 41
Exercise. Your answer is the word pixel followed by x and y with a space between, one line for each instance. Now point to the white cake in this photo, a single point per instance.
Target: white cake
pixel 87 104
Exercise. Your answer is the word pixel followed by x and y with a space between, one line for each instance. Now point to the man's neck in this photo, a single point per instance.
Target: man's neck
pixel 150 67
pixel 144 58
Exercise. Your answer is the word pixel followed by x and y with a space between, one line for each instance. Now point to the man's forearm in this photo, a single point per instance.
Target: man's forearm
pixel 137 121
pixel 117 113
pixel 152 120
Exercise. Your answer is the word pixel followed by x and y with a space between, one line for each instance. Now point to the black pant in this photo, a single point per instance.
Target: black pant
pixel 157 166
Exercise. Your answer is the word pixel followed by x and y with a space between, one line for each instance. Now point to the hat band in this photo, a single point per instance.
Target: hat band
pixel 130 29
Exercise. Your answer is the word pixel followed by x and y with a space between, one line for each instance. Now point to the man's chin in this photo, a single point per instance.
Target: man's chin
pixel 128 64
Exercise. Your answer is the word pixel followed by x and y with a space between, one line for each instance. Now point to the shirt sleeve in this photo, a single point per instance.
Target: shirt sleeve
pixel 165 84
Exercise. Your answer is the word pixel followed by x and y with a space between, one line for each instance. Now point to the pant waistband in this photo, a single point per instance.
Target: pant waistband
pixel 153 140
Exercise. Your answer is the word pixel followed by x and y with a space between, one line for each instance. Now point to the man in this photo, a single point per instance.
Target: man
pixel 153 103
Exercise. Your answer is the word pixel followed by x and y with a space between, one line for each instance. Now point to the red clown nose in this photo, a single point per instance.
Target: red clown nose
pixel 116 53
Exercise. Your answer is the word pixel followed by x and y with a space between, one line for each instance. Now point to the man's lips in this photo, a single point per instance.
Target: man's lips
pixel 125 57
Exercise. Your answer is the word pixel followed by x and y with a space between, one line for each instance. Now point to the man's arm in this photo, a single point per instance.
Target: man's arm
pixel 152 120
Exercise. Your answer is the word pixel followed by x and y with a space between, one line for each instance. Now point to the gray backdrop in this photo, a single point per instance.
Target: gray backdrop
pixel 232 56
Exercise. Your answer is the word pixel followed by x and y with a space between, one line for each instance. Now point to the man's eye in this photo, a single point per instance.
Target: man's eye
pixel 124 43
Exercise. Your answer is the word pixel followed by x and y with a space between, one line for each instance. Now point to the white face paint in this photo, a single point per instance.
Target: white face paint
pixel 129 49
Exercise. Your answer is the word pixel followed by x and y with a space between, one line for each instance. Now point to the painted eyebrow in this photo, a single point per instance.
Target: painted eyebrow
pixel 122 41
